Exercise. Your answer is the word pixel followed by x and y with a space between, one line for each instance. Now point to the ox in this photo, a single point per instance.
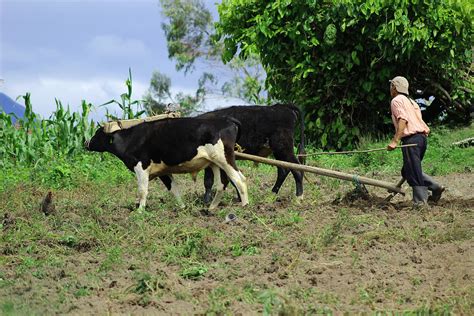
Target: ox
pixel 180 145
pixel 265 130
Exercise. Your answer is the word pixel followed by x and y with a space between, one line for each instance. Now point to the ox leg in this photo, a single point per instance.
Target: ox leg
pixel 236 177
pixel 225 182
pixel 172 186
pixel 238 180
pixel 142 178
pixel 208 182
pixel 283 173
pixel 219 190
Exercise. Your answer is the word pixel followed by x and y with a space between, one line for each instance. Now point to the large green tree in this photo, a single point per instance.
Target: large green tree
pixel 336 57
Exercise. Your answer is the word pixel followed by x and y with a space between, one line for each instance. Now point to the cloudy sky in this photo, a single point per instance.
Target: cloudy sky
pixel 82 49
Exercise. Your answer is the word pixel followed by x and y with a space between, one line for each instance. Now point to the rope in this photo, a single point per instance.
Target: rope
pixel 355 180
pixel 354 151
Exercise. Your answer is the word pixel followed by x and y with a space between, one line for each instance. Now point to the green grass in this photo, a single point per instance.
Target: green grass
pixel 96 247
pixel 440 150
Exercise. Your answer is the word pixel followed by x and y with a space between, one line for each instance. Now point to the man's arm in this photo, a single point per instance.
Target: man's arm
pixel 402 124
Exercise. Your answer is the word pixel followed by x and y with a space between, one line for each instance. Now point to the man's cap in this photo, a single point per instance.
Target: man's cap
pixel 400 83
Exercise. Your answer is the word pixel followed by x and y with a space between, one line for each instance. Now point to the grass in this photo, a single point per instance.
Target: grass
pixel 439 151
pixel 281 256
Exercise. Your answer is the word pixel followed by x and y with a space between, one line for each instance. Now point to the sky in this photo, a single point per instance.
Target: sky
pixel 82 49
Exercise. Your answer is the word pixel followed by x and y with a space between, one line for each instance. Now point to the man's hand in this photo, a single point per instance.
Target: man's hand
pixel 392 145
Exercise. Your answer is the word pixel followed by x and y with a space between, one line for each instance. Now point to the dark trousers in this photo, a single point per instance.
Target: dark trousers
pixel 412 157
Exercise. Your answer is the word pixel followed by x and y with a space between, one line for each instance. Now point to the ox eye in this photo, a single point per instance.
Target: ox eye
pixel 111 140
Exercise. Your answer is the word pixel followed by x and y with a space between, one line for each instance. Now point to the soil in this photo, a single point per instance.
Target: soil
pixel 332 251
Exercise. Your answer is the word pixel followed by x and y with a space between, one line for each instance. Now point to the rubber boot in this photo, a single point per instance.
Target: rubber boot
pixel 420 196
pixel 436 189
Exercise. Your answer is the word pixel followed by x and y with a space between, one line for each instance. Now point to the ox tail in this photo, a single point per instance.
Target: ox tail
pixel 238 124
pixel 301 146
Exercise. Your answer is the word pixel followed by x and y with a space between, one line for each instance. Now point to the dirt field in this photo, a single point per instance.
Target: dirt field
pixel 330 252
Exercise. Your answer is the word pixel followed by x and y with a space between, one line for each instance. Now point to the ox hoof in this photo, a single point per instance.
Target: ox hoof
pixel 207 198
pixel 299 199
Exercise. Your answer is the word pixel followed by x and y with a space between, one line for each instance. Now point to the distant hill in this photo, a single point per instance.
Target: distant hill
pixel 8 105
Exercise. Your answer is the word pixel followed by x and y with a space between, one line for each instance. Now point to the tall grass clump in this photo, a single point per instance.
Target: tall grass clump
pixel 32 139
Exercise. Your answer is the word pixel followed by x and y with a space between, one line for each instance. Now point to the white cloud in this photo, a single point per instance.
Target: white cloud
pixel 69 91
pixel 114 46
pixel 44 90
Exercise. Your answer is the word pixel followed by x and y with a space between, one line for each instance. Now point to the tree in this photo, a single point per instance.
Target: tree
pixel 159 98
pixel 190 35
pixel 336 57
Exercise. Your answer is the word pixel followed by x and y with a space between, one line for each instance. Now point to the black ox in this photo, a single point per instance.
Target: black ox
pixel 179 145
pixel 265 130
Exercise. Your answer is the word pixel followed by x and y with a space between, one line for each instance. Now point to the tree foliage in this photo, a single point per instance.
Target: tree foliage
pixel 159 97
pixel 188 31
pixel 336 57
pixel 191 36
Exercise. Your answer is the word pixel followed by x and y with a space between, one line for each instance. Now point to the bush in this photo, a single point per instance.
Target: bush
pixel 335 58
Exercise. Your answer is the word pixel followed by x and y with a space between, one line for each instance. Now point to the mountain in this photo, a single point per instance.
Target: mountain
pixel 8 105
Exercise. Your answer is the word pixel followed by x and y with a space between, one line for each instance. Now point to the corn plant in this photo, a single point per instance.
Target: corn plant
pixel 126 104
pixel 32 139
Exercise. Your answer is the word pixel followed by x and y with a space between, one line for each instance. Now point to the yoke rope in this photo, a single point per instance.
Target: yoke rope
pixel 353 152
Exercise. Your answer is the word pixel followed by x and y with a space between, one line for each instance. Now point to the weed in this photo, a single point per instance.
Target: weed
pixel 365 296
pixel 271 302
pixel 4 282
pixel 237 249
pixel 114 256
pixel 288 219
pixel 249 294
pixel 194 271
pixel 82 291
pixel 7 308
pixel 219 301
pixel 68 240
pixel 148 284
pixel 332 231
pixel 416 281
pixel 186 245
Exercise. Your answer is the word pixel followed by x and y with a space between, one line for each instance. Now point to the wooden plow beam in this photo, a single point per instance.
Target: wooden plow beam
pixel 323 172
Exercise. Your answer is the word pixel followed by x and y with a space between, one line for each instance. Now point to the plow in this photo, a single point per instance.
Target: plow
pixel 392 188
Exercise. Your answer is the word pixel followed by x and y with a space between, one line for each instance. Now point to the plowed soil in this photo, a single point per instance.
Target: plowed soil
pixel 333 251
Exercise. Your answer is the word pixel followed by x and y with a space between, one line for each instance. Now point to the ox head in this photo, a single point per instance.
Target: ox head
pixel 100 142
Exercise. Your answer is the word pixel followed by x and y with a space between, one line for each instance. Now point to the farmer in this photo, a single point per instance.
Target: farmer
pixel 411 129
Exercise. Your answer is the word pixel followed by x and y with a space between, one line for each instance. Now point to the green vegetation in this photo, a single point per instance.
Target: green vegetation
pixel 281 256
pixel 35 140
pixel 335 58
pixel 277 258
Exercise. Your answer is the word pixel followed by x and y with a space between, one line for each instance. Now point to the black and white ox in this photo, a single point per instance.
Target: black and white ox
pixel 179 145
pixel 265 130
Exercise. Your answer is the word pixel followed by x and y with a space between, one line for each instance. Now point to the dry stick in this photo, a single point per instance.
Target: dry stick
pixel 464 142
pixel 354 151
pixel 323 172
